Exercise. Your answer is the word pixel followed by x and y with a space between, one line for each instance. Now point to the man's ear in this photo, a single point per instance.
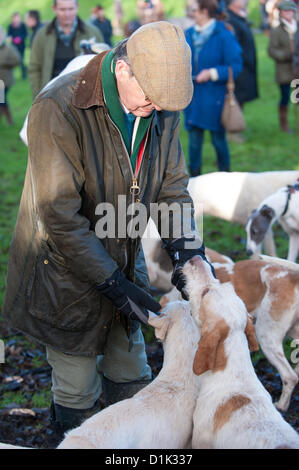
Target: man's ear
pixel 160 323
pixel 122 70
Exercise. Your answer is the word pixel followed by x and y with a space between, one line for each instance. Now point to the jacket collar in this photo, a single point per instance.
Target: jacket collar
pixel 88 91
pixel 51 26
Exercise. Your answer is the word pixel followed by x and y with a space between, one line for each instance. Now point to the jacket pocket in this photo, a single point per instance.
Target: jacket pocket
pixel 58 298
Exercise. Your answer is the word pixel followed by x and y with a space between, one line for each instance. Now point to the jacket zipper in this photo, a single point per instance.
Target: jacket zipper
pixel 134 189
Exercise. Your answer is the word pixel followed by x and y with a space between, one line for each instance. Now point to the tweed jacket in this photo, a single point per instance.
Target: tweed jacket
pixel 281 50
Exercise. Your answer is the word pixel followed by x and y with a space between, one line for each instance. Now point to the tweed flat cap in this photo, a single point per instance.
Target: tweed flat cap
pixel 160 59
pixel 287 5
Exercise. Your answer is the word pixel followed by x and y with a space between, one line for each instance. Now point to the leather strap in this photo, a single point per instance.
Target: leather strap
pixel 230 82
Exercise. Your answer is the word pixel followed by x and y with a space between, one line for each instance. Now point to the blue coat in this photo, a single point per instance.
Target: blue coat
pixel 219 51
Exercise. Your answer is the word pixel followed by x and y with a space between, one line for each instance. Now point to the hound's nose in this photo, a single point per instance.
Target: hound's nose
pixel 195 260
pixel 249 252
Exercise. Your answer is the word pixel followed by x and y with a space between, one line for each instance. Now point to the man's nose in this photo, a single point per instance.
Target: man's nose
pixel 157 108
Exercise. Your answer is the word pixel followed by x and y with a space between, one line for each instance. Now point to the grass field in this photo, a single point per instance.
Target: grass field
pixel 266 148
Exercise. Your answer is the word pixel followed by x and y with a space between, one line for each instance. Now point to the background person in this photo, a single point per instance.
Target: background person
pixel 246 88
pixel 149 11
pixel 214 48
pixel 9 58
pixel 17 33
pixel 264 25
pixel 281 49
pixel 102 23
pixel 33 23
pixel 56 44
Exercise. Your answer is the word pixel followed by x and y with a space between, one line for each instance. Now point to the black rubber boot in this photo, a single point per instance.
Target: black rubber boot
pixel 114 392
pixel 63 419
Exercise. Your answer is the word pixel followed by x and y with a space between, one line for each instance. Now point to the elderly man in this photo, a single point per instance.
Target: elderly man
pixel 100 138
pixel 57 43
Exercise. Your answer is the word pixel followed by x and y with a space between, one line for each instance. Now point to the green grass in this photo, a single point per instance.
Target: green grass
pixel 12 397
pixel 42 399
pixel 38 399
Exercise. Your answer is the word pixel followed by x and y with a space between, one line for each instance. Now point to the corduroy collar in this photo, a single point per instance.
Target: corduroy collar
pixel 88 90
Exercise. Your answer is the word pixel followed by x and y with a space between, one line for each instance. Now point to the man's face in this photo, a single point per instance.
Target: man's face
pixel 66 12
pixel 130 93
pixel 30 21
pixel 100 14
pixel 287 15
pixel 239 4
pixel 16 20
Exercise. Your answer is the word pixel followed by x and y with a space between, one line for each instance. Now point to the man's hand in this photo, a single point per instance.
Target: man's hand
pixel 179 256
pixel 129 298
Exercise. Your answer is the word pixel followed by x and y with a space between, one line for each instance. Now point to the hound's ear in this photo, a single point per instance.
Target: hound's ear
pixel 160 323
pixel 251 336
pixel 267 212
pixel 210 354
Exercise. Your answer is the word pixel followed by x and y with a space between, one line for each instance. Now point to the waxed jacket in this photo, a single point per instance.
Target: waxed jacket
pixel 77 159
pixel 43 52
pixel 281 50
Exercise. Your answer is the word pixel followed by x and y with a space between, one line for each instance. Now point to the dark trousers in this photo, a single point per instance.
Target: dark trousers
pixel 5 104
pixel 196 139
pixel 285 91
pixel 23 66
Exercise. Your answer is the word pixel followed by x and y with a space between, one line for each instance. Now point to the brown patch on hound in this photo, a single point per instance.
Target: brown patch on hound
pixel 251 336
pixel 282 291
pixel 224 412
pixel 247 282
pixel 222 274
pixel 210 354
pixel 163 301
